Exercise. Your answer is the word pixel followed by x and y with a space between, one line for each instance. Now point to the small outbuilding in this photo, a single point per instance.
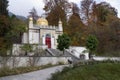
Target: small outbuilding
pixel 80 52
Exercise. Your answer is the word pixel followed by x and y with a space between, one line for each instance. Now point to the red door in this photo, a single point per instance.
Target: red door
pixel 48 42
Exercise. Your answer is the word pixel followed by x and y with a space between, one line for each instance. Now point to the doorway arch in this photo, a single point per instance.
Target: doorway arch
pixel 48 40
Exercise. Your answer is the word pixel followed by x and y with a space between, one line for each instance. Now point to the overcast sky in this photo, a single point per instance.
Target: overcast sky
pixel 23 7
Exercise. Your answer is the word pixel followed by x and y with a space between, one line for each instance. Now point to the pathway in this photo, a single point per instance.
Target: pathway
pixel 36 75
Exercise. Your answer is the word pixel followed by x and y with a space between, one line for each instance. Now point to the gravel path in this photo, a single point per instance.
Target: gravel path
pixel 36 75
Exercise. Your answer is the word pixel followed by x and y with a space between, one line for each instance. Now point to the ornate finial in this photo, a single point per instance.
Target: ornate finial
pixel 30 18
pixel 60 22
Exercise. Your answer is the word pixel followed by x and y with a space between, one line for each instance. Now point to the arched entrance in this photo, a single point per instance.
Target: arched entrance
pixel 48 40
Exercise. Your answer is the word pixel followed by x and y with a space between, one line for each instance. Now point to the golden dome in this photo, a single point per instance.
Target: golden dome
pixel 42 21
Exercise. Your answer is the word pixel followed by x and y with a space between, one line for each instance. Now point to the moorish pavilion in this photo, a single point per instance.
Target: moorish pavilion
pixel 42 33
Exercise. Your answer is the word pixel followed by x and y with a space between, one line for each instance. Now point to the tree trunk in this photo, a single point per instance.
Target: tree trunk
pixel 90 55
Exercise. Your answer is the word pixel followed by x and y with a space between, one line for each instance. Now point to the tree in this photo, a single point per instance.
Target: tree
pixel 63 42
pixel 27 48
pixel 91 44
pixel 76 33
pixel 4 21
pixel 86 9
pixel 104 17
pixel 55 10
pixel 3 7
pixel 101 11
pixel 75 8
pixel 53 18
pixel 18 27
pixel 114 35
pixel 75 22
pixel 51 4
pixel 4 27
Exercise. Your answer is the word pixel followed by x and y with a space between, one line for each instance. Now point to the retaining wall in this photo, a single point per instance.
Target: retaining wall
pixel 31 61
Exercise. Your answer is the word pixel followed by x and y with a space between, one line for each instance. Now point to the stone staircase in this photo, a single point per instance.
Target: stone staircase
pixel 58 53
pixel 55 52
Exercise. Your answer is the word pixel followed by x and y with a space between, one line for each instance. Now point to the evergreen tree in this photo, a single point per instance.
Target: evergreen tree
pixel 63 42
pixel 4 26
pixel 4 21
pixel 91 44
pixel 3 7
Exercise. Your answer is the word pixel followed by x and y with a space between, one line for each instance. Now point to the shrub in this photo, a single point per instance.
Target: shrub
pixel 61 63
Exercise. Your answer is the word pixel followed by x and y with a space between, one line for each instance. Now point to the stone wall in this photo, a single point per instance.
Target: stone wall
pixel 99 58
pixel 31 61
pixel 16 49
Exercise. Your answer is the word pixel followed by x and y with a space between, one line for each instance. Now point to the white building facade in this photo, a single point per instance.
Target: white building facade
pixel 41 33
pixel 80 52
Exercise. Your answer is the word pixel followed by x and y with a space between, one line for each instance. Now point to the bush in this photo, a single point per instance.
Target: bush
pixel 61 63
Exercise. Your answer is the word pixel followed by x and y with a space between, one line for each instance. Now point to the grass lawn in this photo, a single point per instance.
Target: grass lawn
pixel 101 71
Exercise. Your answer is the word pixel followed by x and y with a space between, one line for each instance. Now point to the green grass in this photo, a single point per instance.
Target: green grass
pixel 101 71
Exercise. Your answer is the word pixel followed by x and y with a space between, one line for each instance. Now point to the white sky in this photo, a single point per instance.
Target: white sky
pixel 23 7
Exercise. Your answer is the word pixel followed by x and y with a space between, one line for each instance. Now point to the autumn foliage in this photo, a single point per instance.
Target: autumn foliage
pixel 91 18
pixel 99 19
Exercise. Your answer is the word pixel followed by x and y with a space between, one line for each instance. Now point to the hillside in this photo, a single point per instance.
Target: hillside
pixel 18 16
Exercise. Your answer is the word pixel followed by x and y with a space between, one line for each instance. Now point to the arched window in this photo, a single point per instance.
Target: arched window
pixel 48 35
